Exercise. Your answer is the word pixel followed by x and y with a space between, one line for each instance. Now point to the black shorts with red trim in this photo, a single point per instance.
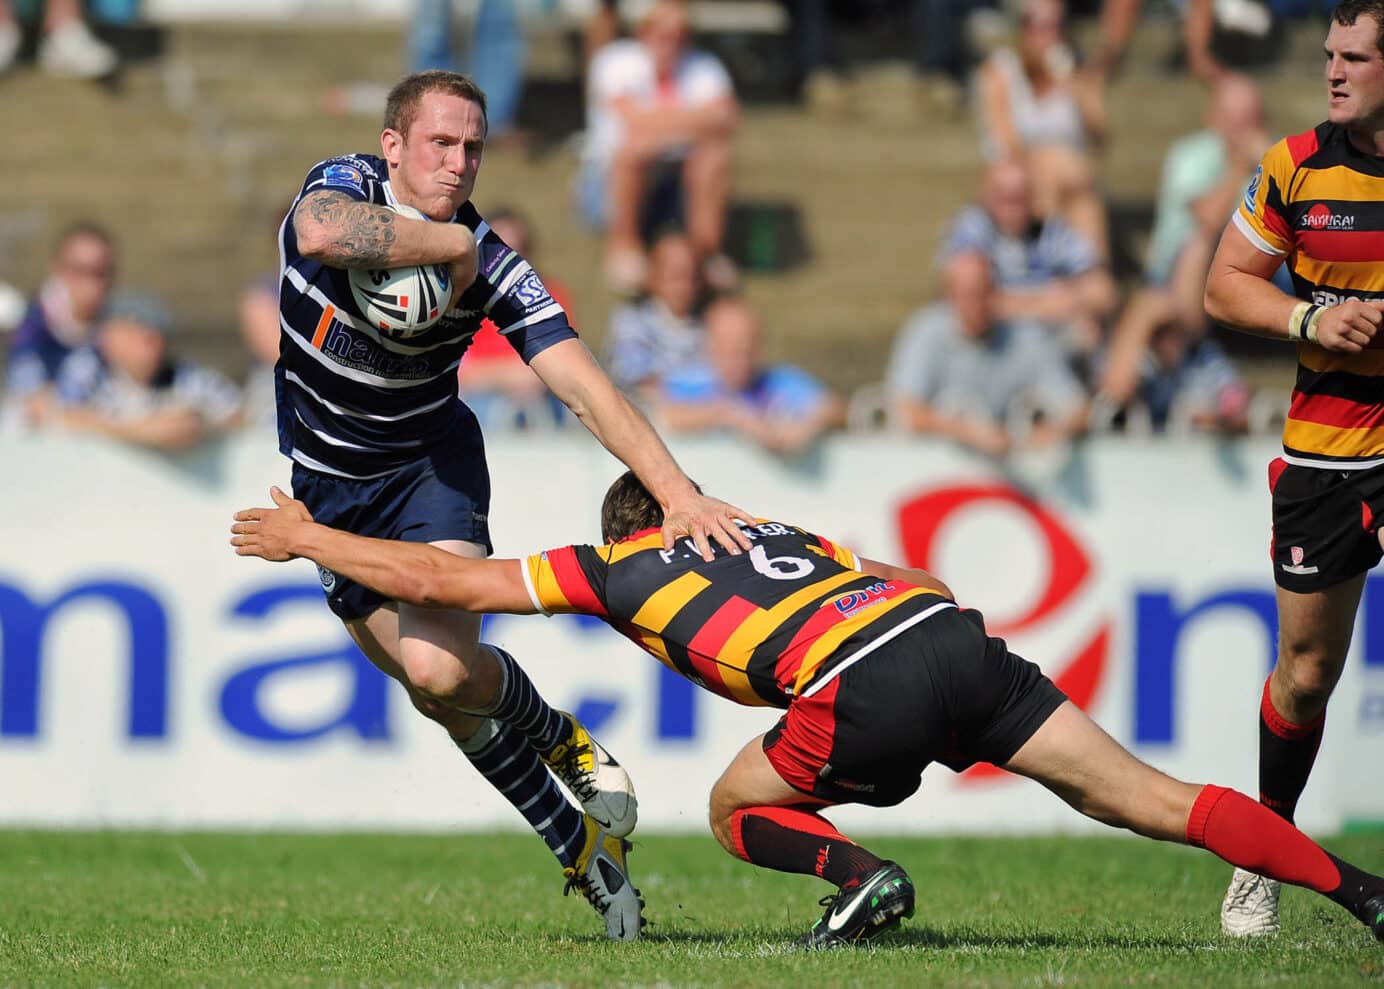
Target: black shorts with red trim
pixel 1325 524
pixel 943 691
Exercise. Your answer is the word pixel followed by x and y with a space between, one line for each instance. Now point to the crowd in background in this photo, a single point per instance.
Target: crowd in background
pixel 1031 340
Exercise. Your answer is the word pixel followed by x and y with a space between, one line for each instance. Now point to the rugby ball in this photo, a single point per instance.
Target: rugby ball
pixel 402 302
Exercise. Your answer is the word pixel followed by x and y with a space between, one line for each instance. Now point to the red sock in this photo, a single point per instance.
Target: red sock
pixel 1251 836
pixel 793 839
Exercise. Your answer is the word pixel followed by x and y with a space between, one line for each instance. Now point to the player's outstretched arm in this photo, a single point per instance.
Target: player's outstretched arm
pixel 574 376
pixel 343 232
pixel 1240 295
pixel 414 573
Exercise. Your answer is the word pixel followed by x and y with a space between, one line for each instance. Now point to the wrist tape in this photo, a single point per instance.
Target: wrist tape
pixel 1302 324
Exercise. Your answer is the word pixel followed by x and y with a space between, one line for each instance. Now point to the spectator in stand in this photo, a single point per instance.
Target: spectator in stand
pixel 989 384
pixel 259 331
pixel 495 59
pixel 660 121
pixel 663 331
pixel 63 315
pixel 780 407
pixel 1250 22
pixel 493 379
pixel 68 48
pixel 1039 108
pixel 1161 337
pixel 1041 268
pixel 127 386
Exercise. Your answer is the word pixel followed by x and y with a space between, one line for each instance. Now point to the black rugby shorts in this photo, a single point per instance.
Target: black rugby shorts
pixel 943 691
pixel 1325 524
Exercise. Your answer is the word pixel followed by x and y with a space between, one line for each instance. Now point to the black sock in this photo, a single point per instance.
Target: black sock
pixel 1286 754
pixel 794 839
pixel 1357 886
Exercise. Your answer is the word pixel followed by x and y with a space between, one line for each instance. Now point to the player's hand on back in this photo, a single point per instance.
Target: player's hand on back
pixel 704 519
pixel 1349 327
pixel 269 532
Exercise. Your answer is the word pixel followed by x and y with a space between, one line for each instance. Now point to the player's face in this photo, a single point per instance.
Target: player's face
pixel 1355 74
pixel 433 167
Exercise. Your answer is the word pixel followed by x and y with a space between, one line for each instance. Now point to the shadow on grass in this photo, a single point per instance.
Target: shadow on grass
pixel 919 937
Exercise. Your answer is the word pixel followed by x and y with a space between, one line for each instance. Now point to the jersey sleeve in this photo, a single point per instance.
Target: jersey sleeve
pixel 517 301
pixel 349 174
pixel 846 557
pixel 567 581
pixel 1261 213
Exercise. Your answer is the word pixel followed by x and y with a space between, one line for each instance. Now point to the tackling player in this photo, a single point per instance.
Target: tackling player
pixel 878 670
pixel 382 446
pixel 1317 201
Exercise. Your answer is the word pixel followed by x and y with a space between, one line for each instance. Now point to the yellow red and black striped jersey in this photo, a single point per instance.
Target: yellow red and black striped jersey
pixel 757 627
pixel 1318 200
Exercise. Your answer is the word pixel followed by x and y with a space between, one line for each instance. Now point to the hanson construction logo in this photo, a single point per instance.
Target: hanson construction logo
pixel 1322 217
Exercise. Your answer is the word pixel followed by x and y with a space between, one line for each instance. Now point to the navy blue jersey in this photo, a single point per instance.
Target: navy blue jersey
pixel 353 401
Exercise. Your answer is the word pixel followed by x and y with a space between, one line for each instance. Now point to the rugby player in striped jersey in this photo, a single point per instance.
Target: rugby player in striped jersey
pixel 382 446
pixel 1317 203
pixel 877 670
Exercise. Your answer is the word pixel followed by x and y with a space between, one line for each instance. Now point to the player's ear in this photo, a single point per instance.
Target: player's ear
pixel 392 144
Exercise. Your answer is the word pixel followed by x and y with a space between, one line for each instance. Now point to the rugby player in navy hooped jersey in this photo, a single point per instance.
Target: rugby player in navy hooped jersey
pixel 382 446
pixel 878 670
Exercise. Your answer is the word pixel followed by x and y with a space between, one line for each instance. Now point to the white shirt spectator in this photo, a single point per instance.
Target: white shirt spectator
pixel 624 69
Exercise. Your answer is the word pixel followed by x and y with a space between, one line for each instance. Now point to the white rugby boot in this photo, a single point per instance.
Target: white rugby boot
pixel 602 876
pixel 1250 907
pixel 599 783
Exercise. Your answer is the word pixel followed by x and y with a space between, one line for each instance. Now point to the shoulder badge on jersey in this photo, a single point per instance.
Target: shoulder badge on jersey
pixel 343 176
pixel 1252 190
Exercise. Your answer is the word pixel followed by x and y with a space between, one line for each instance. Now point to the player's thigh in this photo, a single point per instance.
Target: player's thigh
pixel 1073 757
pixel 439 647
pixel 752 781
pixel 377 636
pixel 1314 632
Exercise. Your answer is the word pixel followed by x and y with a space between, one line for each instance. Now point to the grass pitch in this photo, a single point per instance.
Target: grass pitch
pixel 145 910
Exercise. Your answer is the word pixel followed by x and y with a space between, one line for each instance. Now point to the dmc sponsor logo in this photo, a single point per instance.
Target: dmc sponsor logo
pixel 849 604
pixel 1321 217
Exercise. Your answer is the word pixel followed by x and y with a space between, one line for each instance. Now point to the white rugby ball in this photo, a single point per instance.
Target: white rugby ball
pixel 402 302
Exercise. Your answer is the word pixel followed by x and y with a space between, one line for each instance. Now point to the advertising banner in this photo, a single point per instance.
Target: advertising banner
pixel 150 677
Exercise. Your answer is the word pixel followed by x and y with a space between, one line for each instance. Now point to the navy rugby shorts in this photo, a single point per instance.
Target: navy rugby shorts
pixel 943 691
pixel 444 495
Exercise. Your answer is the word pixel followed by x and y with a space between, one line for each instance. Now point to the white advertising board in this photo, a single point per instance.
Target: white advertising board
pixel 149 677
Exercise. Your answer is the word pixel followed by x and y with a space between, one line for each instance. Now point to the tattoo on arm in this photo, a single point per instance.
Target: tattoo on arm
pixel 360 234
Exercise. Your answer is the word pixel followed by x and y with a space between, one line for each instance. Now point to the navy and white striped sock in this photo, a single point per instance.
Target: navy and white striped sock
pixel 512 767
pixel 519 705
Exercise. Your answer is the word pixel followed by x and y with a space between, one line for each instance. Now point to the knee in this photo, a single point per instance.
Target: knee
pixel 719 813
pixel 722 830
pixel 632 156
pixel 1306 672
pixel 436 677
